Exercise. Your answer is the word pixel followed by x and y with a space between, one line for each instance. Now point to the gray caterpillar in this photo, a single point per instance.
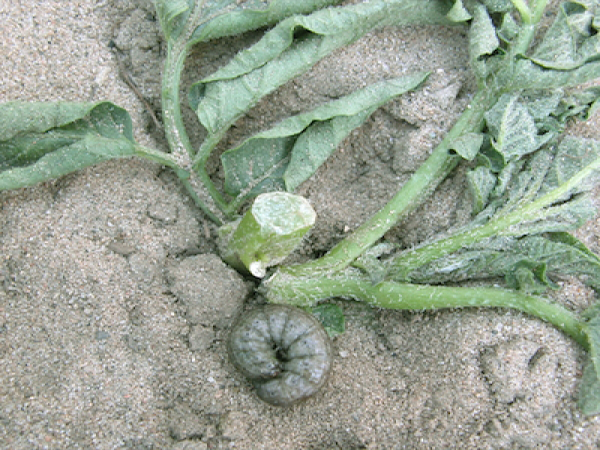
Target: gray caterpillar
pixel 284 351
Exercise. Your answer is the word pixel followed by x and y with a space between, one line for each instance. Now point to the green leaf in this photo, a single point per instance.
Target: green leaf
pixel 482 34
pixel 202 20
pixel 509 28
pixel 529 75
pixel 581 103
pixel 512 128
pixel 286 155
pixel 498 6
pixel 468 145
pixel 458 13
pixel 231 17
pixel 541 104
pixel 332 317
pixel 285 52
pixel 529 263
pixel 529 277
pixel 589 389
pixel 572 157
pixel 481 182
pixel 173 15
pixel 42 141
pixel 571 41
pixel 582 261
pixel 519 124
pixel 569 53
pixel 483 41
pixel 548 194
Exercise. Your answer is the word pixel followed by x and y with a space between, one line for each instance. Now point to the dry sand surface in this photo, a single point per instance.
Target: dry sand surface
pixel 114 306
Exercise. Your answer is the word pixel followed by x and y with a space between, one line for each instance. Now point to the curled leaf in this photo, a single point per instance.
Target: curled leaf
pixel 42 141
pixel 285 52
pixel 211 19
pixel 482 34
pixel 481 182
pixel 571 41
pixel 231 17
pixel 483 41
pixel 468 145
pixel 286 155
pixel 569 53
pixel 458 13
pixel 513 128
pixel 172 15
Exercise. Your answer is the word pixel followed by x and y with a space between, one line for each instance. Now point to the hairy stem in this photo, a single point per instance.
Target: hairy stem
pixel 524 10
pixel 199 167
pixel 166 159
pixel 539 6
pixel 179 142
pixel 197 183
pixel 192 187
pixel 530 18
pixel 305 291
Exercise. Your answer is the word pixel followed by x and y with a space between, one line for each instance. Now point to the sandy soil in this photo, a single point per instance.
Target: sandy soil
pixel 114 306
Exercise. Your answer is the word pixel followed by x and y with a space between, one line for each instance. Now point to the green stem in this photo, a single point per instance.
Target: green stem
pixel 523 9
pixel 196 180
pixel 207 146
pixel 305 291
pixel 439 164
pixel 192 189
pixel 539 7
pixel 177 52
pixel 175 131
pixel 530 20
pixel 199 167
pixel 166 159
pixel 197 183
pixel 184 176
pixel 530 15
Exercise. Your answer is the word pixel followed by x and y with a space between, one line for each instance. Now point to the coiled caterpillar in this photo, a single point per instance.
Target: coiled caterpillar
pixel 284 352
